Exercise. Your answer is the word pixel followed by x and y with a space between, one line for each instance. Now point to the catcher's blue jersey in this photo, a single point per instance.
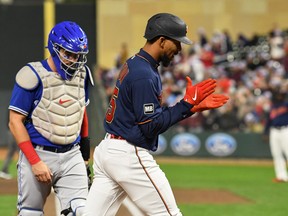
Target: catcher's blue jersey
pixel 135 112
pixel 25 101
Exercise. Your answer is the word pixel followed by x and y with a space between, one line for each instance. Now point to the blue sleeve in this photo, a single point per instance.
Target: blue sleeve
pixel 144 93
pixel 168 117
pixel 136 136
pixel 22 100
pixel 159 118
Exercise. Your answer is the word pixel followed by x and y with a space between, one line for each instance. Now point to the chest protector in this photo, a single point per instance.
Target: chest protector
pixel 59 113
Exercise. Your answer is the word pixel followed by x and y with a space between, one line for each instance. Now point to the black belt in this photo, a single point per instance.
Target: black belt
pixel 55 149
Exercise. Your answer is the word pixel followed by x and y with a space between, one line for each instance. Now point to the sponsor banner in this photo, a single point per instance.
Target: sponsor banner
pixel 221 144
pixel 213 144
pixel 185 144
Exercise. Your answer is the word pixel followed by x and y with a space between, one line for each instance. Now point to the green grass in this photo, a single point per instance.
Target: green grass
pixel 250 182
pixel 8 205
pixel 8 202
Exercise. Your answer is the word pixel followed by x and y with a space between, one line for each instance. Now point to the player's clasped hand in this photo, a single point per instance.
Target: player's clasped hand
pixel 42 173
pixel 195 94
pixel 211 102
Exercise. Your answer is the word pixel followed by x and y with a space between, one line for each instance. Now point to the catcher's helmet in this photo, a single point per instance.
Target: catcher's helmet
pixel 169 25
pixel 70 37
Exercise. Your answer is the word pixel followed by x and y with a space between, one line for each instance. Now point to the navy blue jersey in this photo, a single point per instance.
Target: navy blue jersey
pixel 135 112
pixel 25 101
pixel 278 116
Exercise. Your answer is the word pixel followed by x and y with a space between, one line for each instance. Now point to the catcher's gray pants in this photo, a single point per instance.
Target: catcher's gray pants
pixel 69 182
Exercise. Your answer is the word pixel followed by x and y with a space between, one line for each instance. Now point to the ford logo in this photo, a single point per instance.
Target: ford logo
pixel 221 144
pixel 185 144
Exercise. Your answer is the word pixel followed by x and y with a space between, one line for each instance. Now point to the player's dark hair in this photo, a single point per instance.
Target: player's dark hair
pixel 153 40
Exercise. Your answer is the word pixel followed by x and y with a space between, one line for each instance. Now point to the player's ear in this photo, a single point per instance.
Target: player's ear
pixel 161 41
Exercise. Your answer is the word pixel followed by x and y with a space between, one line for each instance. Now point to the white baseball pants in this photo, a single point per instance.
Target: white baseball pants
pixel 279 150
pixel 122 169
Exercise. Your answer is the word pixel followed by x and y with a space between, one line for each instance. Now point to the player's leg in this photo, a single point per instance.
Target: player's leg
pixel 104 198
pixel 147 185
pixel 284 148
pixel 32 195
pixel 132 207
pixel 277 154
pixel 105 195
pixel 71 184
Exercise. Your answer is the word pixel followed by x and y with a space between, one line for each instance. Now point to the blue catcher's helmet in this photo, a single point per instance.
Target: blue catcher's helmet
pixel 71 38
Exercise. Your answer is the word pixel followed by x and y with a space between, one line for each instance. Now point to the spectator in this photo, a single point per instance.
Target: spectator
pixel 247 71
pixel 203 40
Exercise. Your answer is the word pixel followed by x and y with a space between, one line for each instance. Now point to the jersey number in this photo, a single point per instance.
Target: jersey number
pixel 112 106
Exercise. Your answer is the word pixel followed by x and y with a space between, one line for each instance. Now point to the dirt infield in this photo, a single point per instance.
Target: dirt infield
pixel 183 196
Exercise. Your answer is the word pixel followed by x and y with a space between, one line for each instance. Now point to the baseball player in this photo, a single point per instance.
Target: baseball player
pixel 49 122
pixel 122 162
pixel 277 128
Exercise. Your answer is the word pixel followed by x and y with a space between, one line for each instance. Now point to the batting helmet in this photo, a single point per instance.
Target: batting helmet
pixel 169 25
pixel 69 36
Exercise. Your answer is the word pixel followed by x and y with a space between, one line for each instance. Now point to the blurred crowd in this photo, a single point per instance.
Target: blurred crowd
pixel 250 70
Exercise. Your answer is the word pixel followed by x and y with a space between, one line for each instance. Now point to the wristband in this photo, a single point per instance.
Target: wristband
pixel 85 148
pixel 30 153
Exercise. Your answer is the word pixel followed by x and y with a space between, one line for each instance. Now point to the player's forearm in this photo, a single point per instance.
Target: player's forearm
pixel 17 127
pixel 22 137
pixel 168 117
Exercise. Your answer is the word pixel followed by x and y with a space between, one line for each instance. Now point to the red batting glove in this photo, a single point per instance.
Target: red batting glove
pixel 211 102
pixel 195 94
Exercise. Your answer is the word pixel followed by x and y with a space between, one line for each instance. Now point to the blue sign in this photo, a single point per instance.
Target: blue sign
pixel 221 144
pixel 185 144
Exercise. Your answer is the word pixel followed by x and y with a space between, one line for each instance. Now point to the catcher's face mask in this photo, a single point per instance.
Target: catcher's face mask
pixel 68 46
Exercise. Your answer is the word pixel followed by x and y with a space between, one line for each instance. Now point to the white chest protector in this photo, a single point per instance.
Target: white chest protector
pixel 59 113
